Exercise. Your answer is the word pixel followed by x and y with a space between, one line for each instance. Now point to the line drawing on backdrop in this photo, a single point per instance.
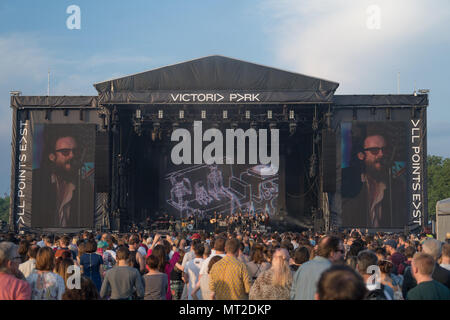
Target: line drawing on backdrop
pixel 222 189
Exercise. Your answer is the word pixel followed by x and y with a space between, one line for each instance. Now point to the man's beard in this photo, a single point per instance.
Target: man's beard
pixel 67 175
pixel 379 175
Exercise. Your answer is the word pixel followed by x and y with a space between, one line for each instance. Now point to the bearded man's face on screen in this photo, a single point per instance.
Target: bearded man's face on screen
pixel 374 157
pixel 64 157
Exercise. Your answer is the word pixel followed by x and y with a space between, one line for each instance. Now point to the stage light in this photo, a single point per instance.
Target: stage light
pixel 181 114
pixel 292 128
pixel 175 125
pixel 160 114
pixel 253 125
pixel 269 114
pixel 138 114
pixel 234 125
pixel 225 114
pixel 215 125
pixel 247 114
pixel 203 116
pixel 272 125
pixel 291 114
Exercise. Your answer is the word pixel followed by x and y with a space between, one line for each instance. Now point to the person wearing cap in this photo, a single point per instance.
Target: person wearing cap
pixel 394 256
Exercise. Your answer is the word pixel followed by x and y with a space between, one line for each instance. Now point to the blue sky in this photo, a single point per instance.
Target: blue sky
pixel 323 38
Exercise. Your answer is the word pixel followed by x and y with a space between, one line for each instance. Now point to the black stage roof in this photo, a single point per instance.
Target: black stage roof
pixel 216 74
pixel 218 80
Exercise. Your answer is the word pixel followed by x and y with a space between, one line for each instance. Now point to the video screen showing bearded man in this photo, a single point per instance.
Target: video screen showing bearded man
pixel 63 193
pixel 374 177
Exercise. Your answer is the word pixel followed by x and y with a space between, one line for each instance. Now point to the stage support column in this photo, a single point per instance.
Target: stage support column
pixel 115 181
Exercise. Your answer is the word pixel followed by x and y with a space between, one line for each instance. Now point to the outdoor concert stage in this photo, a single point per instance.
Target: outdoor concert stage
pixel 218 135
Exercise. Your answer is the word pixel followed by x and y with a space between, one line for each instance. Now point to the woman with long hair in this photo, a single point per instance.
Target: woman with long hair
pixel 62 264
pixel 165 265
pixel 258 262
pixel 274 283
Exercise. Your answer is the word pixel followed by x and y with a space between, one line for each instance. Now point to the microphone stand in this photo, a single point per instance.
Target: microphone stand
pixel 80 164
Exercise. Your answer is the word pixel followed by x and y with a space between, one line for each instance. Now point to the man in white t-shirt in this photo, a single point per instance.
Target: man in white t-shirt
pixel 192 270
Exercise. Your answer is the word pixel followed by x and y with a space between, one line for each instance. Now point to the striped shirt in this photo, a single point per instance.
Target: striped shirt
pixel 229 279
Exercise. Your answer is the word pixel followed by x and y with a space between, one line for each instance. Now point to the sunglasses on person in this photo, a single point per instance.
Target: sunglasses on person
pixel 66 152
pixel 375 150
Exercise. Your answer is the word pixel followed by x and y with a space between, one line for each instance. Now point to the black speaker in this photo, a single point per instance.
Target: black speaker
pixel 329 160
pixel 102 178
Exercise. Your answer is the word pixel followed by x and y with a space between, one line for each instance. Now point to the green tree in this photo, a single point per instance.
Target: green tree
pixel 438 181
pixel 4 208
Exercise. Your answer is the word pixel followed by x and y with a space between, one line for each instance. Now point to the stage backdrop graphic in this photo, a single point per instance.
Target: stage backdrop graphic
pixel 63 175
pixel 202 190
pixel 374 174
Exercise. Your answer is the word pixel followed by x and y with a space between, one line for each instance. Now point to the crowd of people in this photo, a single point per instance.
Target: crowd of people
pixel 255 265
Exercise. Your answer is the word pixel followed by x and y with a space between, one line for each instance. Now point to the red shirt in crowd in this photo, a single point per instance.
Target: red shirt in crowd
pixel 12 288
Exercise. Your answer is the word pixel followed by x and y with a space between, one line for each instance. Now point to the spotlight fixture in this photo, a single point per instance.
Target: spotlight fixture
pixel 269 114
pixel 272 125
pixel 138 127
pixel 160 114
pixel 156 132
pixel 253 125
pixel 291 114
pixel 234 125
pixel 292 128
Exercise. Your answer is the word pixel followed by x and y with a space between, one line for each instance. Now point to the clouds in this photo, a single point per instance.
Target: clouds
pixel 330 39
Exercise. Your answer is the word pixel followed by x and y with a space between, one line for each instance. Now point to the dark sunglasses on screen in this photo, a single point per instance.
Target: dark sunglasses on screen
pixel 375 150
pixel 66 152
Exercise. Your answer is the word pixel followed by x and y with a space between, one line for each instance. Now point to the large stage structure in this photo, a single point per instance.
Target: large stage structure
pixel 107 161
